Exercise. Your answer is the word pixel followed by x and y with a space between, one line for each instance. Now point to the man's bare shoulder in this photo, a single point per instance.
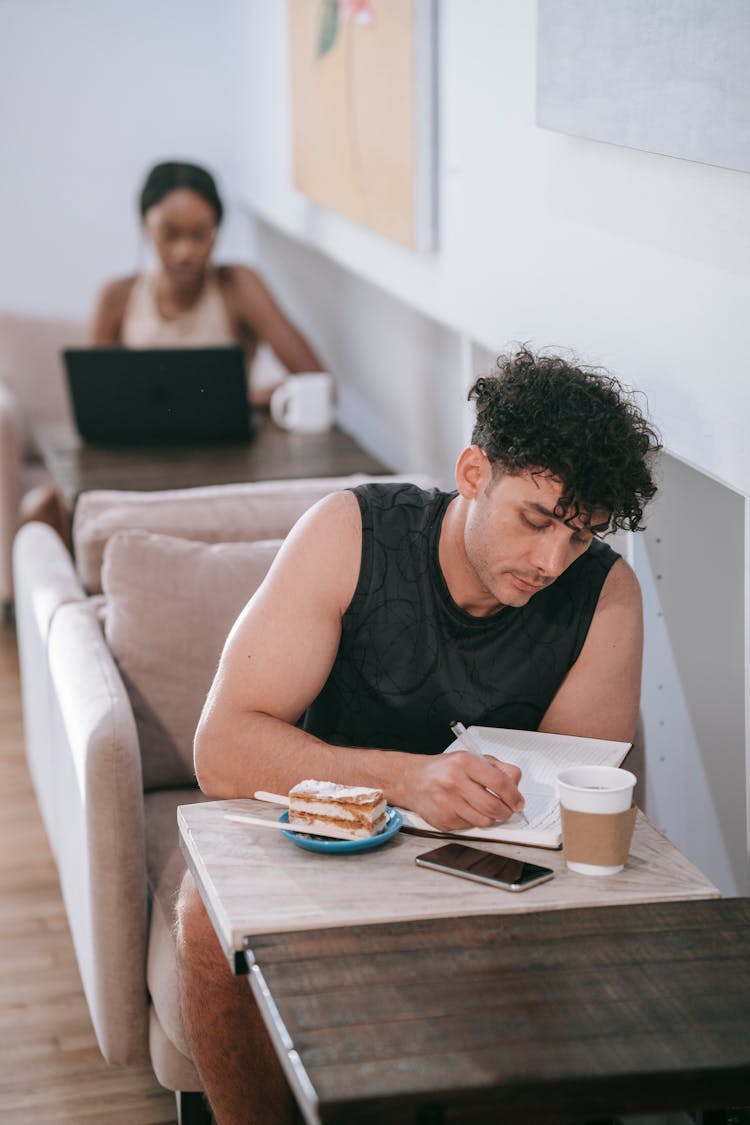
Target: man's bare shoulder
pixel 621 588
pixel 337 512
pixel 331 527
pixel 324 548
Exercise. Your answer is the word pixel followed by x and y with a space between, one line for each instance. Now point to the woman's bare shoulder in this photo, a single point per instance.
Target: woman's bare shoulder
pixel 117 291
pixel 109 309
pixel 236 278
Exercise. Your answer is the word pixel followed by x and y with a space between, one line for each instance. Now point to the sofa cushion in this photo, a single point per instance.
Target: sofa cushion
pixel 170 604
pixel 213 514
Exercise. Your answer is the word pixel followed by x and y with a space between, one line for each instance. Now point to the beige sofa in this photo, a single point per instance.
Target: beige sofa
pixel 117 653
pixel 32 390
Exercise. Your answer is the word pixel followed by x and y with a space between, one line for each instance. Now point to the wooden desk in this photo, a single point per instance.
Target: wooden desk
pixel 549 1017
pixel 274 454
pixel 395 994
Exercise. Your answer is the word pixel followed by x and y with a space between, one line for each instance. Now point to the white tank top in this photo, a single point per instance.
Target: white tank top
pixel 206 324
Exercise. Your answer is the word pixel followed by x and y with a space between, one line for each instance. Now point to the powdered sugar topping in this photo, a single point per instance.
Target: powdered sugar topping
pixel 330 791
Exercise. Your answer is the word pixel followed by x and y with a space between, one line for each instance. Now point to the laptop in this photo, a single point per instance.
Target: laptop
pixel 169 395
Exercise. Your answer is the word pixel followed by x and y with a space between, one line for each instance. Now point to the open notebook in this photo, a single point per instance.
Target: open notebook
pixel 540 757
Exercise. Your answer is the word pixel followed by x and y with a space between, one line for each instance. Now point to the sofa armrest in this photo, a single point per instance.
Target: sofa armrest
pixel 11 451
pixel 44 579
pixel 100 829
pixel 45 576
pixel 10 406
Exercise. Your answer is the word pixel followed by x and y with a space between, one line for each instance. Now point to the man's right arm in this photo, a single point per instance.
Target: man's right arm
pixel 276 660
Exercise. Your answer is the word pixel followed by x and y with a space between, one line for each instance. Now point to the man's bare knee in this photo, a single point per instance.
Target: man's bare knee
pixel 198 948
pixel 193 922
pixel 228 1039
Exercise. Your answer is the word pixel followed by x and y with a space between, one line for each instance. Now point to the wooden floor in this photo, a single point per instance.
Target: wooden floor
pixel 50 1066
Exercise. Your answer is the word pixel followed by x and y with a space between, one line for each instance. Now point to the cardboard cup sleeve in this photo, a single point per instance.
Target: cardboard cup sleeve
pixel 597 838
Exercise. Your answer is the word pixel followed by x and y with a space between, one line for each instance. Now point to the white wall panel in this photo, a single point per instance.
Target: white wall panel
pixel 690 563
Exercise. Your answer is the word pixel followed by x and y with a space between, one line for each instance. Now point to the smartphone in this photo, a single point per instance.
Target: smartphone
pixel 485 867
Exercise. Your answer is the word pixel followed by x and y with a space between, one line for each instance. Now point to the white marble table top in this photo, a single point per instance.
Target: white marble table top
pixel 255 881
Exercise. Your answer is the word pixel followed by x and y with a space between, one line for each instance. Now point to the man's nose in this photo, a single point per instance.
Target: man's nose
pixel 551 555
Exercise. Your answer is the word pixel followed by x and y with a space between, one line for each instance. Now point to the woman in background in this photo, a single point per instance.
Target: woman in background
pixel 188 301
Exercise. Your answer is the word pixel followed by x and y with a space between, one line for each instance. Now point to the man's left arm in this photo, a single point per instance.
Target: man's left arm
pixel 600 696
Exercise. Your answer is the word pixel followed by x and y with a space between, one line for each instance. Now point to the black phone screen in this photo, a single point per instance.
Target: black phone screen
pixel 485 867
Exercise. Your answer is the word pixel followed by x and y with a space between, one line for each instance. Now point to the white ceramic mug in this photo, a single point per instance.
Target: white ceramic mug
pixel 600 790
pixel 304 403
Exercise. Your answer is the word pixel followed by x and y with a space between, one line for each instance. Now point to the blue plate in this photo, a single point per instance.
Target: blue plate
pixel 393 822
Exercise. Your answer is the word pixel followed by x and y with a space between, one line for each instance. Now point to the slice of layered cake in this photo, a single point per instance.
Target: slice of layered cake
pixel 343 811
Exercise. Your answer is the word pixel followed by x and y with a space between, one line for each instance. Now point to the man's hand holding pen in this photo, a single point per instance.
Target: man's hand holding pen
pixel 467 740
pixel 464 789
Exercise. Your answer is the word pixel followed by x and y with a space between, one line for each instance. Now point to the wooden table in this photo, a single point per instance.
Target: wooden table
pixel 530 1018
pixel 274 454
pixel 396 994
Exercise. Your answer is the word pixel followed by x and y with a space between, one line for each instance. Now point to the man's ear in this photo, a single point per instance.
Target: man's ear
pixel 473 471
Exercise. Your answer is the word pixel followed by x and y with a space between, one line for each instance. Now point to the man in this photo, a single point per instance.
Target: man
pixel 391 611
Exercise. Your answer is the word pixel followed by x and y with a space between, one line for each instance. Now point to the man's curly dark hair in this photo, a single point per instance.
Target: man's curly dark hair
pixel 541 413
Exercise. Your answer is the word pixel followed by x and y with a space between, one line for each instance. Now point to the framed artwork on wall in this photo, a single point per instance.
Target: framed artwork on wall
pixel 659 75
pixel 363 78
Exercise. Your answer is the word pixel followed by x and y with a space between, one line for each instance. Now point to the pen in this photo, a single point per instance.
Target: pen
pixel 466 740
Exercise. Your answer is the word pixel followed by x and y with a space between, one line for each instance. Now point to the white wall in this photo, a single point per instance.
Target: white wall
pixel 92 92
pixel 638 261
pixel 398 372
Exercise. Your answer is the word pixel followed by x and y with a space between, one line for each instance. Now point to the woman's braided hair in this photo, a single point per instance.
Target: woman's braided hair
pixel 173 174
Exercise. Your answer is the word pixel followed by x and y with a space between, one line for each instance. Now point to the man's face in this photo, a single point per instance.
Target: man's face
pixel 515 542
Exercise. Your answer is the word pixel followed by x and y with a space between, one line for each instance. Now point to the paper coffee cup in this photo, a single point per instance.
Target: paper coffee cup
pixel 598 816
pixel 304 403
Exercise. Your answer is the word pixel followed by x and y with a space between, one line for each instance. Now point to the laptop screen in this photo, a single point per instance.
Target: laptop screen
pixel 170 395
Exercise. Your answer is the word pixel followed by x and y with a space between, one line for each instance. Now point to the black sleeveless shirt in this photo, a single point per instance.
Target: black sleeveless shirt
pixel 410 661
